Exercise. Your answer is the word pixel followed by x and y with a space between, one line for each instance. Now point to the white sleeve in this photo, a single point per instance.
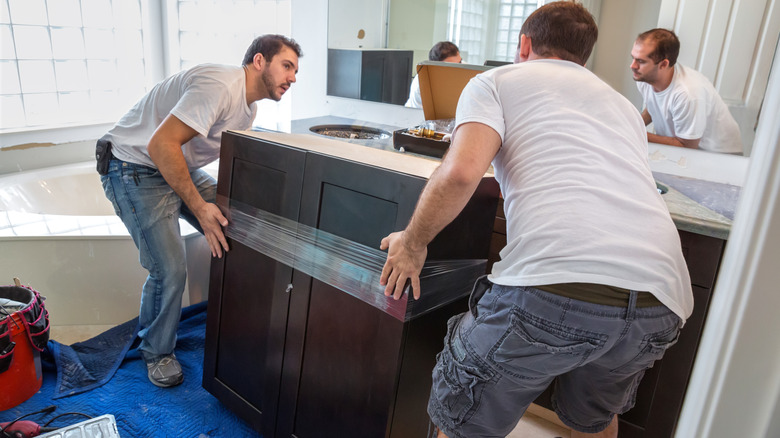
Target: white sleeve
pixel 479 102
pixel 201 104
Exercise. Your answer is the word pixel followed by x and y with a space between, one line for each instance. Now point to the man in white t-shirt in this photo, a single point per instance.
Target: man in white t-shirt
pixel 150 169
pixel 592 274
pixel 444 51
pixel 682 104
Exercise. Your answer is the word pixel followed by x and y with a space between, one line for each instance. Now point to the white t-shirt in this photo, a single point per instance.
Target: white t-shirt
pixel 691 108
pixel 208 98
pixel 415 100
pixel 580 199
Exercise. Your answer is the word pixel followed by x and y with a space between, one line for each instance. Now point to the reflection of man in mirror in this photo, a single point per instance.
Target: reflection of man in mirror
pixel 592 286
pixel 442 51
pixel 682 104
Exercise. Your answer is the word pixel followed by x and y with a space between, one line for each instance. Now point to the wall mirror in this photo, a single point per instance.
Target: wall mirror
pixel 732 44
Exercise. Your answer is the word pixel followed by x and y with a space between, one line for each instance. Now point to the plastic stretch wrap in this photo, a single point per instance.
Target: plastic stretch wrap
pixel 344 264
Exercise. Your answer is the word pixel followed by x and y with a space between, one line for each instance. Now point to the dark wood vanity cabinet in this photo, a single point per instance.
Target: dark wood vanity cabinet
pixel 296 357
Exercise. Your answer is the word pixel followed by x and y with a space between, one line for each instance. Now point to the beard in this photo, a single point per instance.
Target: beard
pixel 649 77
pixel 271 87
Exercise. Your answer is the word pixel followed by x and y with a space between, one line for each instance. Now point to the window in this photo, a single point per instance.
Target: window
pixel 487 29
pixel 466 26
pixel 511 15
pixel 219 31
pixel 67 62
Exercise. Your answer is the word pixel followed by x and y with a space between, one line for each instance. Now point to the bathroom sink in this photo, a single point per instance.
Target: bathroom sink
pixel 350 132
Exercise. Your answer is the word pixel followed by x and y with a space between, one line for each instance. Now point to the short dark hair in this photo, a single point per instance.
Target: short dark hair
pixel 667 45
pixel 561 29
pixel 443 50
pixel 269 46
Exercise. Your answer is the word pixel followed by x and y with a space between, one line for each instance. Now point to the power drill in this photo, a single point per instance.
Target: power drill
pixel 23 429
pixel 26 428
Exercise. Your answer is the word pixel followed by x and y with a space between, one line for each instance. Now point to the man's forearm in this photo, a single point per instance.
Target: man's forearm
pixel 452 184
pixel 165 150
pixel 672 141
pixel 170 162
pixel 440 203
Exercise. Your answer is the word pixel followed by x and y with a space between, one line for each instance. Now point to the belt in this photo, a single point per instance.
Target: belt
pixel 600 294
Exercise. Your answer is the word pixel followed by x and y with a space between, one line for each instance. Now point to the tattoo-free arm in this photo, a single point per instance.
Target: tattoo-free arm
pixel 450 187
pixel 165 150
pixel 673 141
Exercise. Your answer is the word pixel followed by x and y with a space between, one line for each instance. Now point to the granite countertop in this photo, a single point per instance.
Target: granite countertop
pixel 696 206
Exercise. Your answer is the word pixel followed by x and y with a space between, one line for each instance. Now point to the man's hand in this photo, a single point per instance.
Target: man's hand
pixel 212 221
pixel 402 264
pixel 448 190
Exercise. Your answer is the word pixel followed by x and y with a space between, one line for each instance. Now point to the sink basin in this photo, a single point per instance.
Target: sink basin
pixel 350 132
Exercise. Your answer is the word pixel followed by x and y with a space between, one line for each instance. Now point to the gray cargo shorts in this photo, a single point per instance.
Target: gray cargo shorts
pixel 503 353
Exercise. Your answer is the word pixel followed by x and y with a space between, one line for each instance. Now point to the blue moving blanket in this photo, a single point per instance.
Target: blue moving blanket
pixel 105 375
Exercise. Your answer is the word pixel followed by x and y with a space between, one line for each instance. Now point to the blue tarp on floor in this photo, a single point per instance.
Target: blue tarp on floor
pixel 89 371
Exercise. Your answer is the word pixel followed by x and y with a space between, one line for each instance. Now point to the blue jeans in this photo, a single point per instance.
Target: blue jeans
pixel 150 210
pixel 503 353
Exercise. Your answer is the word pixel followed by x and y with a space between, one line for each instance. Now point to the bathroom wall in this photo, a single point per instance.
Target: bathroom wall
pixel 620 22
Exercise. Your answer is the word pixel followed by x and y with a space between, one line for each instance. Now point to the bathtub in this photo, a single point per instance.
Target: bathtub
pixel 60 236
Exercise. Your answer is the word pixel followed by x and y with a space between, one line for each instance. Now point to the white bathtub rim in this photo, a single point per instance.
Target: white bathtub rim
pixel 24 225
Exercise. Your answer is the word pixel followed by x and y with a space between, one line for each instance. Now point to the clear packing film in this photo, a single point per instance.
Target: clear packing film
pixel 344 264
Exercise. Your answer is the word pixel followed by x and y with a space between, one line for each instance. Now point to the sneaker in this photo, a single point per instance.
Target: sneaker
pixel 165 371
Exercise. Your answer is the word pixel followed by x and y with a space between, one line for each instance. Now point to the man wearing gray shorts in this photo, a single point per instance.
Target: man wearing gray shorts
pixel 592 287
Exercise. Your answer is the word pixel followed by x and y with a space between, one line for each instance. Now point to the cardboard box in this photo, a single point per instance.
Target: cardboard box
pixel 440 86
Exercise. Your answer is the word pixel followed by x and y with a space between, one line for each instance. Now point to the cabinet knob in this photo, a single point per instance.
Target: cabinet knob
pixel 289 288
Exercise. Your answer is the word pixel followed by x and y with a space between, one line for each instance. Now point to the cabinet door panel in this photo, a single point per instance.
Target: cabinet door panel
pixel 349 369
pixel 356 362
pixel 358 216
pixel 348 353
pixel 248 301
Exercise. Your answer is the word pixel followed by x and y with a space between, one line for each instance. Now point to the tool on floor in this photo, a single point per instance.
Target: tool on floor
pixel 19 428
pixel 103 426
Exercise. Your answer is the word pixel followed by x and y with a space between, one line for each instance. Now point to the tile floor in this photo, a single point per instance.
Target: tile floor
pixel 538 422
